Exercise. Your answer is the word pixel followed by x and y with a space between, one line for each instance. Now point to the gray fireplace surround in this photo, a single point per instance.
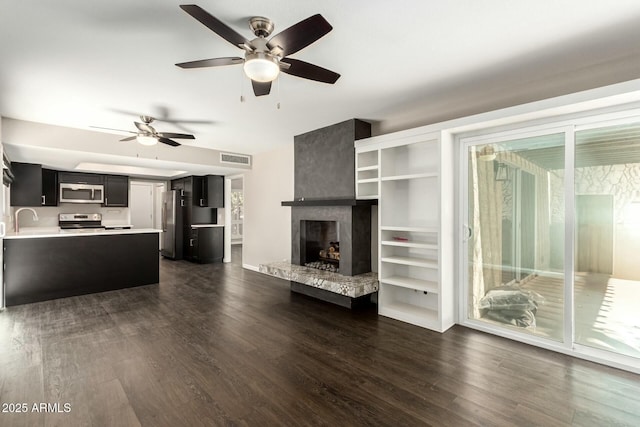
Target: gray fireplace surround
pixel 324 190
pixel 354 223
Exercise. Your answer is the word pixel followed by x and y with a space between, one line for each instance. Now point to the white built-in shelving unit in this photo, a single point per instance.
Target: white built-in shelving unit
pixel 367 175
pixel 415 225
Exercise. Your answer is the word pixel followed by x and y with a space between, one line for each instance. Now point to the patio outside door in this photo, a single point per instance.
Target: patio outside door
pixel 515 213
pixel 607 273
pixel 553 220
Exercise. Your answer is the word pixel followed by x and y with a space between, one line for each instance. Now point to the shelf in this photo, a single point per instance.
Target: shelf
pixel 367 160
pixel 416 262
pixel 366 181
pixel 409 244
pixel 329 202
pixel 410 229
pixel 410 176
pixel 410 313
pixel 411 283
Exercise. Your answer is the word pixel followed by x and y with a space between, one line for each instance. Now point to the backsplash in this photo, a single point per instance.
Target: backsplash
pixel 48 215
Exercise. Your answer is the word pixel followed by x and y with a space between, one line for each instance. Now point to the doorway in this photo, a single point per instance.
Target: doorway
pixel 141 204
pixel 234 217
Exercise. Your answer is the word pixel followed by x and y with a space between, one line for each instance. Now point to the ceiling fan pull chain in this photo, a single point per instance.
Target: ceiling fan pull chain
pixel 278 83
pixel 242 86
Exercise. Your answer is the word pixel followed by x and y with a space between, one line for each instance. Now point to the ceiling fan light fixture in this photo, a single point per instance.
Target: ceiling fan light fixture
pixel 147 140
pixel 261 67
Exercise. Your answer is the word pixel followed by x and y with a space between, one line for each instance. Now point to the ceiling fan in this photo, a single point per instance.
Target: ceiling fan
pixel 147 135
pixel 264 59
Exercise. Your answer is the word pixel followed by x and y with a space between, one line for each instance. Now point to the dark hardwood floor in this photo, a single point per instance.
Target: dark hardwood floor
pixel 219 345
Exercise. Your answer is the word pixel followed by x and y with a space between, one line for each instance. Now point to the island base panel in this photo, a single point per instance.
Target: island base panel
pixel 47 268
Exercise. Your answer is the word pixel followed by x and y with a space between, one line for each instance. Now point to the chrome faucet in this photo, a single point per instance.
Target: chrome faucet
pixel 35 216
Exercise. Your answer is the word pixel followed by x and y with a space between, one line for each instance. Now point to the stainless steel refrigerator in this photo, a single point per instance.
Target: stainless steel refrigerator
pixel 171 225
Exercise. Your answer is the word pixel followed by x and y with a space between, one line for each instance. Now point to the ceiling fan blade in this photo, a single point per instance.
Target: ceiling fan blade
pixel 117 130
pixel 260 89
pixel 129 138
pixel 300 35
pixel 309 71
pixel 215 25
pixel 168 141
pixel 144 127
pixel 213 62
pixel 176 135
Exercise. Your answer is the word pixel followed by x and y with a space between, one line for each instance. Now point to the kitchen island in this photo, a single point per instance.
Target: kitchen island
pixel 46 264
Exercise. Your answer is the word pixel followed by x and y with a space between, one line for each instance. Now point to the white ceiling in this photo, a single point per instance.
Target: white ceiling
pixel 80 63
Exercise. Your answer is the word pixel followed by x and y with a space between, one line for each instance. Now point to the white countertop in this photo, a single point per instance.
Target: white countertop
pixel 206 225
pixel 38 232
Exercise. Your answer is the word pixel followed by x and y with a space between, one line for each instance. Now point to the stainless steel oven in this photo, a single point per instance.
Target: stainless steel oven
pixel 78 221
pixel 81 193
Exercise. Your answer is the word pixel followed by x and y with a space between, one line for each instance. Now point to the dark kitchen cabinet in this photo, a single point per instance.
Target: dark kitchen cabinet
pixel 188 186
pixel 80 178
pixel 199 191
pixel 191 249
pixel 187 220
pixel 33 185
pixel 26 189
pixel 208 191
pixel 49 187
pixel 215 191
pixel 206 244
pixel 218 244
pixel 178 185
pixel 116 191
pixel 182 228
pixel 191 213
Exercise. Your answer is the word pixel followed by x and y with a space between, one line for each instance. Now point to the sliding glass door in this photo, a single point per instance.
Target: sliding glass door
pixel 515 220
pixel 607 250
pixel 552 242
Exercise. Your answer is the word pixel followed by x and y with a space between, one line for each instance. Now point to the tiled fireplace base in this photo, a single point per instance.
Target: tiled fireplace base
pixel 323 284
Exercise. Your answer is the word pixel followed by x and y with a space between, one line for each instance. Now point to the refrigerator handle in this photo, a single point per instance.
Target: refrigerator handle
pixel 163 216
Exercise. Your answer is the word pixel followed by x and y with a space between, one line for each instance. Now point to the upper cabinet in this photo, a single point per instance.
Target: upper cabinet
pixel 33 185
pixel 208 191
pixel 214 191
pixel 80 178
pixel 49 187
pixel 26 189
pixel 116 190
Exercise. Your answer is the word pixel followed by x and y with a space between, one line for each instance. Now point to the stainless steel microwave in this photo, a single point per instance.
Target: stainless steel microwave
pixel 81 193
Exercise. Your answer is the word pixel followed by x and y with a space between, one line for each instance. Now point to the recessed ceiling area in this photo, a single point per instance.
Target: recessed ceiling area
pixel 81 64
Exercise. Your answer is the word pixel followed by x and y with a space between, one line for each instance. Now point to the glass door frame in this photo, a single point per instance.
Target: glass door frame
pixel 568 125
pixel 464 144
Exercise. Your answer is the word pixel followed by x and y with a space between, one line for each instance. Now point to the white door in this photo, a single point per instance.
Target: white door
pixel 141 204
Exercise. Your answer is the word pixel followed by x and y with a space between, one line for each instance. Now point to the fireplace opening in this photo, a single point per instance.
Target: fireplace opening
pixel 320 245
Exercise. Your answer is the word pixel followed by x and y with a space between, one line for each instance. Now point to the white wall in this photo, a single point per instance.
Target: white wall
pixel 267 224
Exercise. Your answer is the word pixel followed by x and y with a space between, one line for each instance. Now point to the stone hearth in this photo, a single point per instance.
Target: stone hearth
pixel 346 290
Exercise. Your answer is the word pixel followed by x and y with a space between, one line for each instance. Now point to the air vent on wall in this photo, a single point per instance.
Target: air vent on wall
pixel 238 159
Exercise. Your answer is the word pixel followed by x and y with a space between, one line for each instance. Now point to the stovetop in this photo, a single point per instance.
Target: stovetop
pixel 69 221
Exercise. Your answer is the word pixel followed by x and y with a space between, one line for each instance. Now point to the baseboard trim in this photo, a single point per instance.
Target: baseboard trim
pixel 251 267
